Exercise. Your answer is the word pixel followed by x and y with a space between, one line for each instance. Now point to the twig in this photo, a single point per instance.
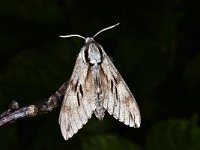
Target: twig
pixel 42 107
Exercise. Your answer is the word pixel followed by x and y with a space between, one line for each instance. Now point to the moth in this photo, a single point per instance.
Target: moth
pixel 95 87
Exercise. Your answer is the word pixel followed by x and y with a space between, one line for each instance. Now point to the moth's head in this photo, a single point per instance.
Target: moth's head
pixel 89 40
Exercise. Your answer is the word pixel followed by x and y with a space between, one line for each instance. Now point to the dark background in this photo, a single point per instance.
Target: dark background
pixel 156 48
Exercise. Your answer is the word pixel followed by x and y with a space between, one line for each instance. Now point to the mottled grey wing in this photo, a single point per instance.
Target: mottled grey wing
pixel 78 103
pixel 118 99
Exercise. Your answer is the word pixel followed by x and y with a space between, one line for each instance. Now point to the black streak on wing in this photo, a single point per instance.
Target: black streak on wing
pixel 130 117
pixel 81 90
pixel 117 96
pixel 111 86
pixel 76 85
pixel 68 127
pixel 78 99
pixel 115 79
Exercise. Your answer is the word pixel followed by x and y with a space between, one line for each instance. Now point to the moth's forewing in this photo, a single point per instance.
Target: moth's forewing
pixel 119 101
pixel 78 103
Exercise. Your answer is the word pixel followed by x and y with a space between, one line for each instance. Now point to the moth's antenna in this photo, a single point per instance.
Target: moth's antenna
pixel 77 35
pixel 72 35
pixel 105 29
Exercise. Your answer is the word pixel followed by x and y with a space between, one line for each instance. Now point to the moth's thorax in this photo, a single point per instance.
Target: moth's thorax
pixel 93 52
pixel 94 55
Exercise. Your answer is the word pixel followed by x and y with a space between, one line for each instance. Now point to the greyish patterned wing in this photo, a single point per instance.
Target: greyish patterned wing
pixel 118 99
pixel 79 100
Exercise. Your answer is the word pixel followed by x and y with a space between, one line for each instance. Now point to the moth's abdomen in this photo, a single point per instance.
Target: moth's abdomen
pixel 99 111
